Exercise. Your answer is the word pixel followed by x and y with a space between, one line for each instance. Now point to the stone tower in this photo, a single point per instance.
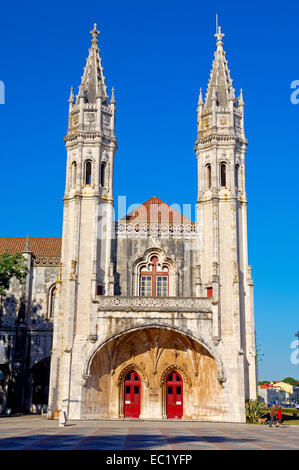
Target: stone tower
pixel 87 221
pixel 222 222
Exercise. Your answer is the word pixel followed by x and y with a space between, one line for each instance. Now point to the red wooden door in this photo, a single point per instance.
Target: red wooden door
pixel 132 387
pixel 174 396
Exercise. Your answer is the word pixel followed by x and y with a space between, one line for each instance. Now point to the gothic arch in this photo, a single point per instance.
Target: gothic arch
pixel 52 291
pixel 130 367
pixel 184 331
pixel 144 257
pixel 173 368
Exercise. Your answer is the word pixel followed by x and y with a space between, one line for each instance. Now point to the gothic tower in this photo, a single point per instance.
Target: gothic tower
pixel 87 223
pixel 222 222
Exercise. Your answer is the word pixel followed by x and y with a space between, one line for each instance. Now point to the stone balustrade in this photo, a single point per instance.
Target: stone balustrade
pixel 157 304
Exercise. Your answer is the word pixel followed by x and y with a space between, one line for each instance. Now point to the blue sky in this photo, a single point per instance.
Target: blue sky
pixel 157 55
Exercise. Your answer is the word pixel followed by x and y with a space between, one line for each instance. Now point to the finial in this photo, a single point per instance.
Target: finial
pixel 241 101
pixel 94 32
pixel 27 246
pixel 112 101
pixel 219 37
pixel 71 98
pixel 200 99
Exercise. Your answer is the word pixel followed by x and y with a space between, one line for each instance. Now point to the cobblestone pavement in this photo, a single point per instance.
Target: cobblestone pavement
pixel 38 433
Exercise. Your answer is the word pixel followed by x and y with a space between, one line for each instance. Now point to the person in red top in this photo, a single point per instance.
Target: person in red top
pixel 279 416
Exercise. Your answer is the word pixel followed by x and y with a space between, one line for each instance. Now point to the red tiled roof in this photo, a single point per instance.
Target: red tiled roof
pixel 38 246
pixel 156 211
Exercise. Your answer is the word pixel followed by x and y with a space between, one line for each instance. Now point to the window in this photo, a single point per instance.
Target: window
pixel 103 168
pixel 99 290
pixel 237 177
pixel 154 279
pixel 146 286
pixel 162 286
pixel 223 174
pixel 209 291
pixel 52 302
pixel 208 176
pixel 88 173
pixel 74 173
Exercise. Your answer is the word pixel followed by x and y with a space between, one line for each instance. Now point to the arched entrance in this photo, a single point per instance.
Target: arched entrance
pixel 174 395
pixel 40 376
pixel 152 353
pixel 132 385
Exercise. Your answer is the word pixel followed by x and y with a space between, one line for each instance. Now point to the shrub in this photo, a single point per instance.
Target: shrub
pixel 255 410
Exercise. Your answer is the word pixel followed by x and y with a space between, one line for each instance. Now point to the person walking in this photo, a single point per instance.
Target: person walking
pixel 279 416
pixel 272 415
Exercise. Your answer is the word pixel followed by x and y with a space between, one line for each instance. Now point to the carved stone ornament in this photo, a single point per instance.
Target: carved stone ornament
pixel 173 368
pixel 130 367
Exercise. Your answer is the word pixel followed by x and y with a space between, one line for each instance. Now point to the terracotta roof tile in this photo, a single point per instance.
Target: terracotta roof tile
pixel 156 211
pixel 38 246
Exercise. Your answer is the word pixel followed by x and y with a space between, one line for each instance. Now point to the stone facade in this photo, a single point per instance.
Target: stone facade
pixel 26 326
pixel 153 294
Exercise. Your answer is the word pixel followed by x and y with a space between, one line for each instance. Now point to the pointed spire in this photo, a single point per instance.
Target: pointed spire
pixel 93 81
pixel 71 98
pixel 240 100
pixel 220 82
pixel 200 98
pixel 112 100
pixel 27 245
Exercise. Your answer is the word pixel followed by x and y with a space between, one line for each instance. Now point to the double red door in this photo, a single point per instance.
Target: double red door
pixel 132 387
pixel 174 396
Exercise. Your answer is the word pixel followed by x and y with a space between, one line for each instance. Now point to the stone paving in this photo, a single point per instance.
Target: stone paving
pixel 37 433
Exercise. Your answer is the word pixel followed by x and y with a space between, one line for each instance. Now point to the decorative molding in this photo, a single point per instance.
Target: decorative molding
pixel 157 304
pixel 173 368
pixel 47 261
pixel 130 367
pixel 164 230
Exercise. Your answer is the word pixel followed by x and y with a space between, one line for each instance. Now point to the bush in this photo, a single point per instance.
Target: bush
pixel 254 410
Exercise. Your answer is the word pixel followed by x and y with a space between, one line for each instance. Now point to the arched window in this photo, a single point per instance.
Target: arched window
pixel 74 173
pixel 88 172
pixel 154 279
pixel 52 297
pixel 237 177
pixel 103 168
pixel 223 174
pixel 208 176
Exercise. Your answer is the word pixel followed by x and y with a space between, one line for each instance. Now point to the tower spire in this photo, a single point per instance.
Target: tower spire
pixel 93 81
pixel 220 79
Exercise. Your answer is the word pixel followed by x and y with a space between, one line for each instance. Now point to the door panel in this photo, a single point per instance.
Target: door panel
pixel 174 396
pixel 132 386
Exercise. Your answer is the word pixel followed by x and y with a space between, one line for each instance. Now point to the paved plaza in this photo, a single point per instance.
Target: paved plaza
pixel 37 433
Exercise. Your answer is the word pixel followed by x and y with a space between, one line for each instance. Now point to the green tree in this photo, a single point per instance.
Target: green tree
pixel 291 381
pixel 11 266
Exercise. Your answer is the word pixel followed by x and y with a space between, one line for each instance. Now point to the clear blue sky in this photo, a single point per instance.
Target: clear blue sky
pixel 157 55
